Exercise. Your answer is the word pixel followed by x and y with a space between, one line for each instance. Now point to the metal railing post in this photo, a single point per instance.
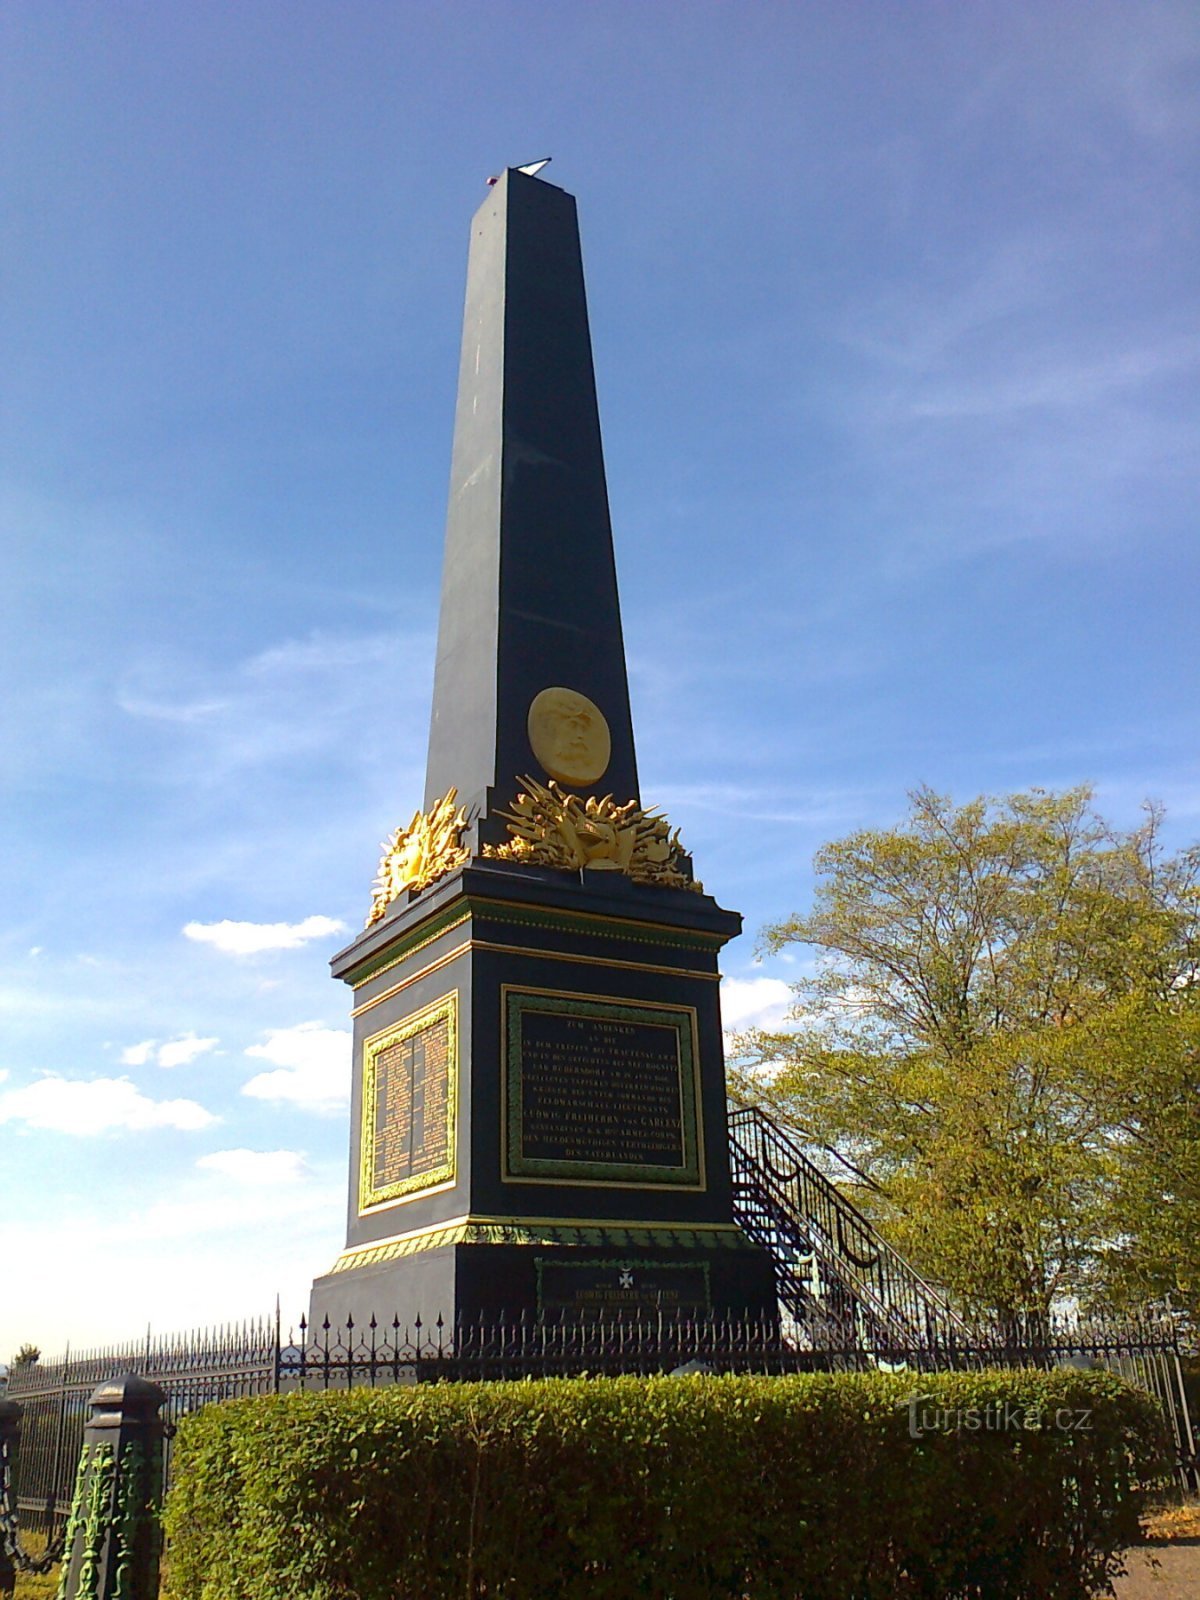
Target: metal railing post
pixel 10 1427
pixel 113 1540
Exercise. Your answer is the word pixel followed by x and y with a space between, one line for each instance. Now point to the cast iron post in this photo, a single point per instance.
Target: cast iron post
pixel 113 1538
pixel 10 1427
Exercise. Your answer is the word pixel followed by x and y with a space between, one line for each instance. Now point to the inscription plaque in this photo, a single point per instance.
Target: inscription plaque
pixel 622 1288
pixel 409 1078
pixel 601 1091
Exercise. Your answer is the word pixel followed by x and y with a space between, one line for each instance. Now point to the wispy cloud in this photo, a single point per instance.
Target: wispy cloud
pixel 322 653
pixel 312 1067
pixel 1059 381
pixel 919 326
pixel 86 1108
pixel 161 711
pixel 252 938
pixel 1004 393
pixel 292 700
pixel 765 804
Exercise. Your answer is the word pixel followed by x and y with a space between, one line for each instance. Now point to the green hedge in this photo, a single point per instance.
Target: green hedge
pixel 686 1487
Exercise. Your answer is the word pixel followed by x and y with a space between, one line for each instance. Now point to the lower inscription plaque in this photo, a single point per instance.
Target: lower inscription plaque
pixel 600 1091
pixel 408 1089
pixel 623 1288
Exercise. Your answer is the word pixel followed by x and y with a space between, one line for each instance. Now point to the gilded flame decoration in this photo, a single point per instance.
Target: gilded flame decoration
pixel 552 828
pixel 416 856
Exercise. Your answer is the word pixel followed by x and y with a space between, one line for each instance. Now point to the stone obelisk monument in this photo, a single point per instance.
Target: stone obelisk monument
pixel 538 1117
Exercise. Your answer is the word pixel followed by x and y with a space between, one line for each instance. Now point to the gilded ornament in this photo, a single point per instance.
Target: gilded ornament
pixel 569 736
pixel 551 828
pixel 414 857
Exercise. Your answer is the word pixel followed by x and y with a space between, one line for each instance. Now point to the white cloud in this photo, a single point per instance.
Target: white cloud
pixel 249 938
pixel 180 1052
pixel 97 1105
pixel 255 1168
pixel 3 1074
pixel 754 1003
pixel 313 1067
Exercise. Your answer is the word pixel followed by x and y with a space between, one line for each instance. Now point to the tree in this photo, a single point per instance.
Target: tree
pixel 26 1356
pixel 997 1050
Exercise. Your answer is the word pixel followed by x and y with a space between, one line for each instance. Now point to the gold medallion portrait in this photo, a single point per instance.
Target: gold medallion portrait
pixel 569 736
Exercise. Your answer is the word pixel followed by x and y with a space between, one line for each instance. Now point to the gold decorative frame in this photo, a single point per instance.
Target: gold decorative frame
pixel 369 1197
pixel 516 1168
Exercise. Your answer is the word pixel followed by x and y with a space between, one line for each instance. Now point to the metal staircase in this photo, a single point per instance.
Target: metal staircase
pixel 842 1286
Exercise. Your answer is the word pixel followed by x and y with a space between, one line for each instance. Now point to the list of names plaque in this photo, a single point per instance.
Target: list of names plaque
pixel 601 1092
pixel 409 1117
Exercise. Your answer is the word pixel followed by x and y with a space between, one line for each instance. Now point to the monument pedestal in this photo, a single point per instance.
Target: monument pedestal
pixel 538 1116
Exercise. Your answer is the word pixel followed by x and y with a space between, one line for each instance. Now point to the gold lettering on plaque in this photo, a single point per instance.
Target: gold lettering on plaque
pixel 600 1091
pixel 408 1106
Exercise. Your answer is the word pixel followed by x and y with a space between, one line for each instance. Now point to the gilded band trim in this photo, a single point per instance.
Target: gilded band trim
pixel 384 962
pixel 707 1236
pixel 398 988
pixel 633 929
pixel 595 961
pixel 540 955
pixel 521 913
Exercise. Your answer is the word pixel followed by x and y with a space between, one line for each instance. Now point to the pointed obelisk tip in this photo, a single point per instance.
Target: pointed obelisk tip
pixel 530 169
pixel 530 620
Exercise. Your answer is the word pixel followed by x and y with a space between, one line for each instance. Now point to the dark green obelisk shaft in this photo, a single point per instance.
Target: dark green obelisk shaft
pixel 529 587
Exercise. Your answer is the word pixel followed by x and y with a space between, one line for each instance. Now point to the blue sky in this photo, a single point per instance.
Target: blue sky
pixel 894 311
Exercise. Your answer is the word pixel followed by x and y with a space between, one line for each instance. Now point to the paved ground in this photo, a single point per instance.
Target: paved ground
pixel 1177 1576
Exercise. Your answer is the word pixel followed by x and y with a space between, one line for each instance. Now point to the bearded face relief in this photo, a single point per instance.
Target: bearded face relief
pixel 569 736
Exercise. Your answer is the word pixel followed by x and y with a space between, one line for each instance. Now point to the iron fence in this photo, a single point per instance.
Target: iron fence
pixel 258 1358
pixel 194 1368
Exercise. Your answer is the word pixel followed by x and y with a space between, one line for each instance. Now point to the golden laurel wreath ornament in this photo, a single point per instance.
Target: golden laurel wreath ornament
pixel 551 828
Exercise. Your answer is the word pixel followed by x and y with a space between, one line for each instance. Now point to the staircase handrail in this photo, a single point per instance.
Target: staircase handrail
pixel 852 1266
